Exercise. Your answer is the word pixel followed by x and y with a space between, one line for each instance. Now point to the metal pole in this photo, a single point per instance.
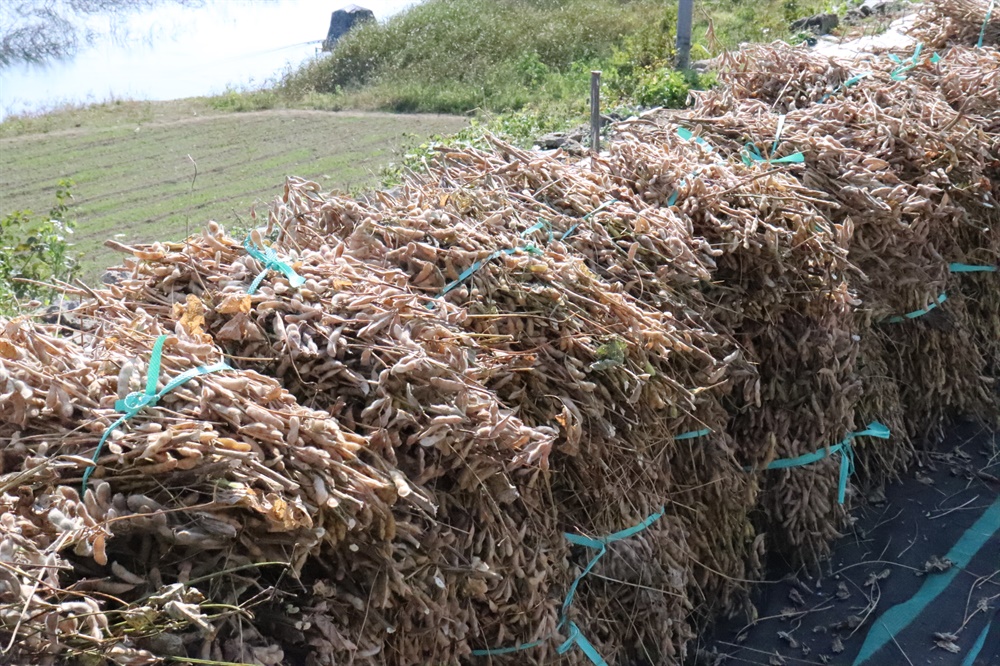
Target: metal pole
pixel 595 111
pixel 685 11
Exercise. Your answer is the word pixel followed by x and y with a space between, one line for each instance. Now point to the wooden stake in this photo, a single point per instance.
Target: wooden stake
pixel 685 10
pixel 595 111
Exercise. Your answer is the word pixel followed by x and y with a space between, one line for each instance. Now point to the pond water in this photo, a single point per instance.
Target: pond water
pixel 171 51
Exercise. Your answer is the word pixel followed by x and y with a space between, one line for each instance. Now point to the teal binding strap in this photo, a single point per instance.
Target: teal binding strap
pixel 986 22
pixel 269 258
pixel 919 313
pixel 673 195
pixel 751 153
pixel 693 434
pixel 899 74
pixel 601 542
pixel 846 84
pixel 574 637
pixel 688 135
pixel 538 226
pixel 135 402
pixel 470 271
pixel 844 448
pixel 969 268
pixel 530 248
pixel 545 224
pixel 599 208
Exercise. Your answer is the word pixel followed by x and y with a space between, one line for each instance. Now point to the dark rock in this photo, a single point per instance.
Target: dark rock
pixel 820 24
pixel 164 643
pixel 702 66
pixel 853 17
pixel 343 20
pixel 112 277
pixel 870 7
pixel 61 312
pixel 554 140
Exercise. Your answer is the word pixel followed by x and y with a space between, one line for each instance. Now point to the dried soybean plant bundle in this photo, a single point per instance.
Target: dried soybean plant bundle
pixel 783 294
pixel 643 247
pixel 899 181
pixel 756 284
pixel 531 328
pixel 941 23
pixel 240 476
pixel 908 173
pixel 933 187
pixel 389 366
pixel 644 231
pixel 890 218
pixel 785 77
pixel 627 241
pixel 969 80
pixel 553 365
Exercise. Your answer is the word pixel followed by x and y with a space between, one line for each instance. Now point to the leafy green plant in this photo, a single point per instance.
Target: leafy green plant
pixel 666 87
pixel 36 248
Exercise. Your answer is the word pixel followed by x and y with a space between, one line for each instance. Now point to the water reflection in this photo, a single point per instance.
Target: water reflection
pixel 172 49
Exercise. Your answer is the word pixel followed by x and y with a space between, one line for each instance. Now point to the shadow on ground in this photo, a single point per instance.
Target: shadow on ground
pixel 916 582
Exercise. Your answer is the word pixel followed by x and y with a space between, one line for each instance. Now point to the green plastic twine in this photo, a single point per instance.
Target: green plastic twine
pixel 970 268
pixel 687 135
pixel 986 22
pixel 952 268
pixel 530 248
pixel 694 434
pixel 919 313
pixel 574 637
pixel 874 429
pixel 751 153
pixel 468 272
pixel 135 402
pixel 569 232
pixel 899 74
pixel 269 258
pixel 846 84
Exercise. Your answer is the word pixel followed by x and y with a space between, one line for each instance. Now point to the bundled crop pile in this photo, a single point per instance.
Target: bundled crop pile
pixel 963 22
pixel 906 156
pixel 425 391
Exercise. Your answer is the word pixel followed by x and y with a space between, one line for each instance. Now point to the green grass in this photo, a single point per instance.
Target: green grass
pixel 520 67
pixel 457 56
pixel 133 163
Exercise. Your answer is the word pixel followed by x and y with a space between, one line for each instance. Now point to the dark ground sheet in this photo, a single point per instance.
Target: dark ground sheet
pixel 948 503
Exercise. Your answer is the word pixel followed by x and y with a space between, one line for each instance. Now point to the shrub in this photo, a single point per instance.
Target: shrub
pixel 36 248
